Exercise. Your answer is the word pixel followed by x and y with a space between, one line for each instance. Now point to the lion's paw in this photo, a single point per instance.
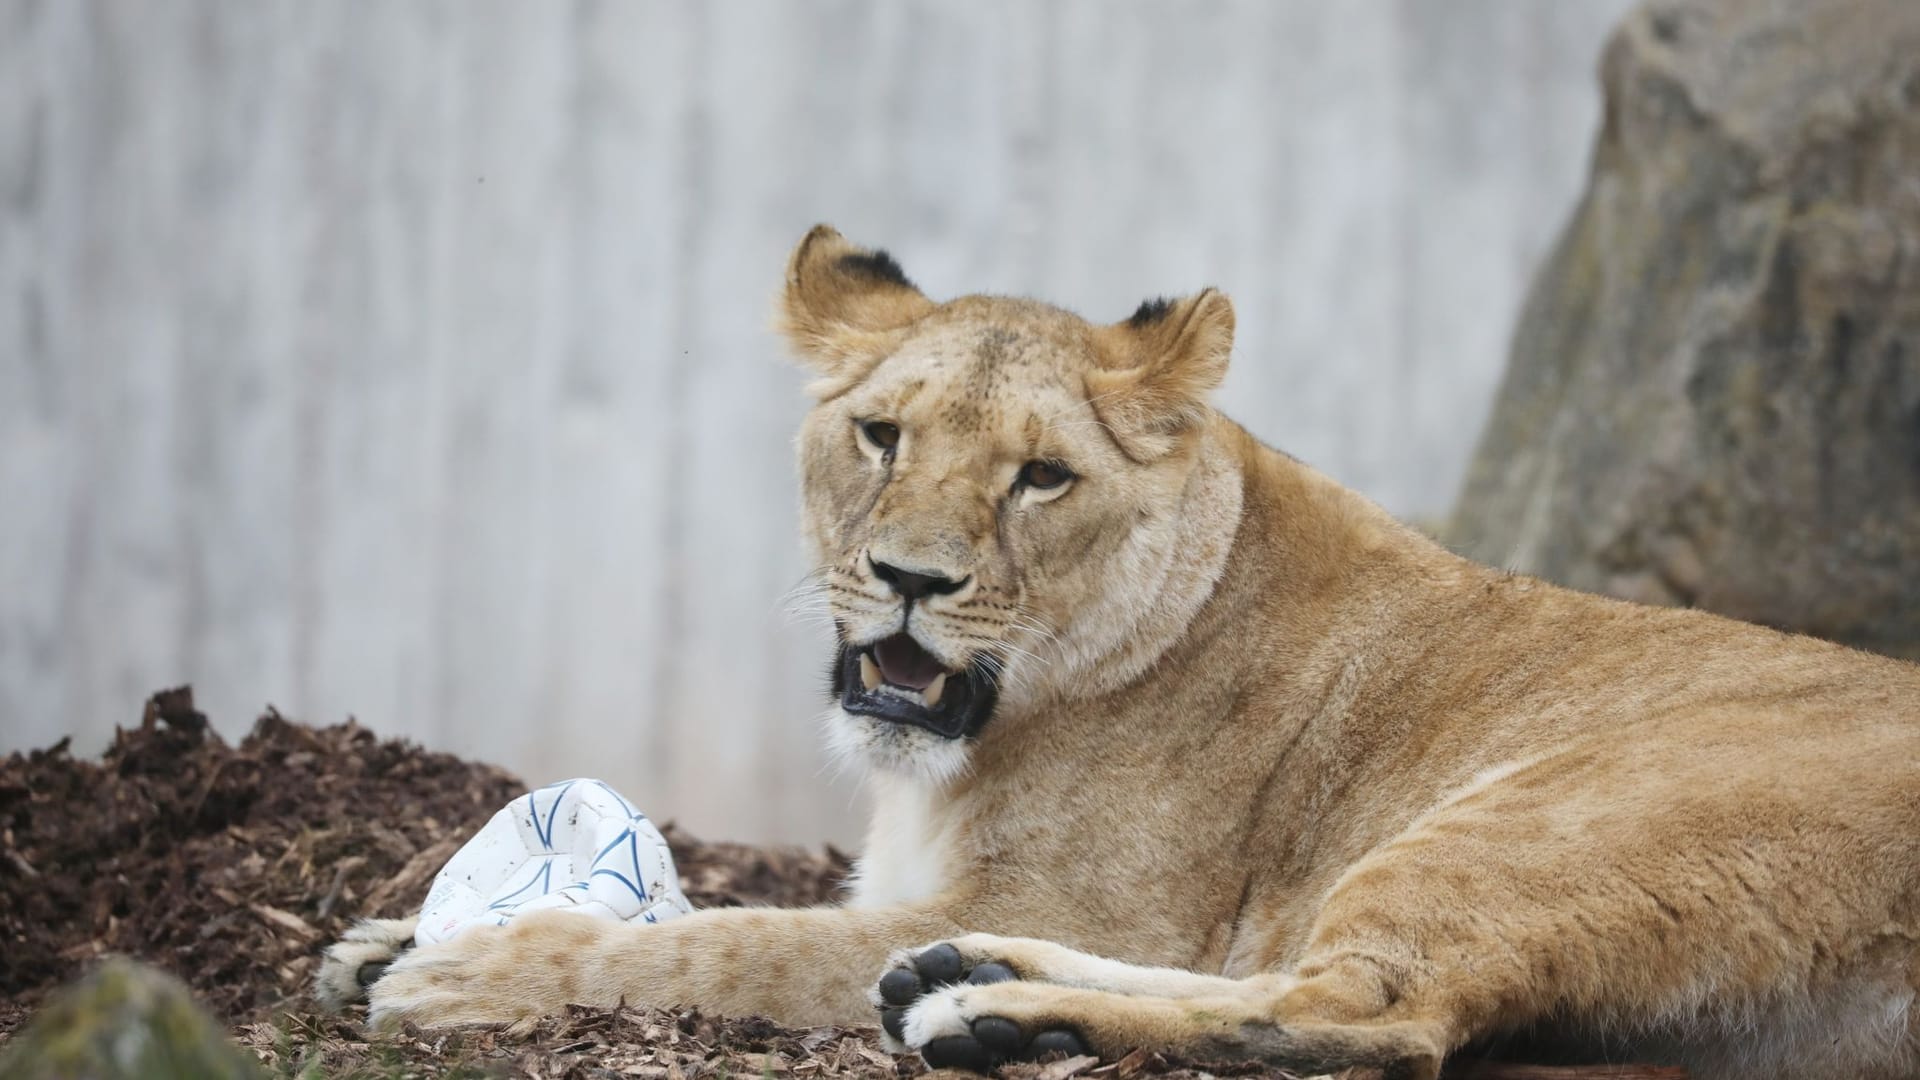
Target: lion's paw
pixel 928 997
pixel 358 959
pixel 978 1027
pixel 916 972
pixel 489 975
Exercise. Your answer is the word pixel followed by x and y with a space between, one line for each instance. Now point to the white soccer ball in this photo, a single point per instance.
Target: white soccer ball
pixel 576 846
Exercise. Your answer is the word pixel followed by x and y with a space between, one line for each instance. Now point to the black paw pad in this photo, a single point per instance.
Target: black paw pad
pixel 894 1022
pixel 369 973
pixel 1056 1041
pixel 990 972
pixel 996 1039
pixel 959 1052
pixel 940 965
pixel 998 1034
pixel 901 986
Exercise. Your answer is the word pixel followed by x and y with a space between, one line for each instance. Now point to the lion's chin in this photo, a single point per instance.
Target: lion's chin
pixel 900 749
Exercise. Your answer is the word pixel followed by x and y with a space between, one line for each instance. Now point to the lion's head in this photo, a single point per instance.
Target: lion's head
pixel 1006 501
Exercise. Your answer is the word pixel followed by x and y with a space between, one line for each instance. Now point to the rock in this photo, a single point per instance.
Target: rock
pixel 1713 396
pixel 125 1022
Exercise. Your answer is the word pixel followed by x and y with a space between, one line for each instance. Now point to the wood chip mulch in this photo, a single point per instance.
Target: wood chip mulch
pixel 232 866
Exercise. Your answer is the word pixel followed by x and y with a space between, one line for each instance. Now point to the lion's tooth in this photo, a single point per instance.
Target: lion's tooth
pixel 933 690
pixel 869 672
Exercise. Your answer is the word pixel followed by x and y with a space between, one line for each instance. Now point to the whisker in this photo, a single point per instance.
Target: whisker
pixel 1022 611
pixel 794 604
pixel 1008 675
pixel 810 584
pixel 1033 628
pixel 851 591
pixel 1024 654
pixel 813 574
pixel 1003 645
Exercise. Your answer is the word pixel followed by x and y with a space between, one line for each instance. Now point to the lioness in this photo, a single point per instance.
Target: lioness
pixel 1177 743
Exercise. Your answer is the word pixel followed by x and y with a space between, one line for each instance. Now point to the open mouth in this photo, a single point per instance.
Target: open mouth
pixel 895 679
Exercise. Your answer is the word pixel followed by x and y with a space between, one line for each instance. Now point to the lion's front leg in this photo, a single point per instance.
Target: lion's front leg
pixel 800 966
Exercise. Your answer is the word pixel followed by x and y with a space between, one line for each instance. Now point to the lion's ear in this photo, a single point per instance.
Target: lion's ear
pixel 843 307
pixel 1159 366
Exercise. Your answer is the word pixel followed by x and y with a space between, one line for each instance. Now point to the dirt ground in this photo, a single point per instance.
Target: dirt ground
pixel 232 866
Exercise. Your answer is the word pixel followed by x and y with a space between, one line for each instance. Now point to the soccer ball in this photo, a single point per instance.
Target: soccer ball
pixel 576 846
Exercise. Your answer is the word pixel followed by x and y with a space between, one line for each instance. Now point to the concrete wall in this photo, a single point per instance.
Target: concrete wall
pixel 410 360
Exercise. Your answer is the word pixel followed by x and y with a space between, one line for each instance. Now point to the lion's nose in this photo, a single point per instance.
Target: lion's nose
pixel 911 584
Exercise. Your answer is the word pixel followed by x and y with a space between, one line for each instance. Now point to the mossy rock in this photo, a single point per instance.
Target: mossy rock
pixel 125 1022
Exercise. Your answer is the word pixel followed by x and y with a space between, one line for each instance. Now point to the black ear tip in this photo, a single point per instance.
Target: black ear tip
pixel 1150 312
pixel 875 265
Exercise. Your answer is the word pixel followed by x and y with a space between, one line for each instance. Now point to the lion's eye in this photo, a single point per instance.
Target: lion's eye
pixel 1044 475
pixel 882 435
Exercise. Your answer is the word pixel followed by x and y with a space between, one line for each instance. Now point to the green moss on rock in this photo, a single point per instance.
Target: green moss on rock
pixel 125 1022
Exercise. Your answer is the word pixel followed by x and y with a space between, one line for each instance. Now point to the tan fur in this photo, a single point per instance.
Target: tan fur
pixel 1273 775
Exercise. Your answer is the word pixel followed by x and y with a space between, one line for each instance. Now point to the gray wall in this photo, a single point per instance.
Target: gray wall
pixel 410 360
